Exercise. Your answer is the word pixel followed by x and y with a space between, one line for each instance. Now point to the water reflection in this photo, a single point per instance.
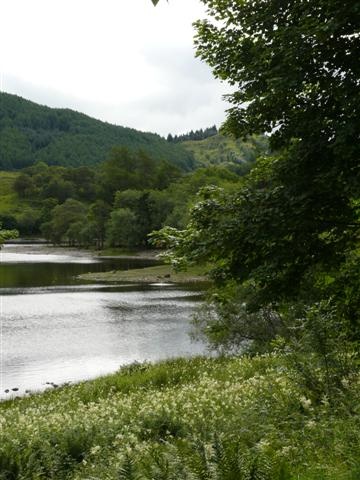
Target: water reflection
pixel 56 329
pixel 34 270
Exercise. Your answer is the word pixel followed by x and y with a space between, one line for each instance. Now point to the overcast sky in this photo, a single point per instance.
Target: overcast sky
pixel 122 61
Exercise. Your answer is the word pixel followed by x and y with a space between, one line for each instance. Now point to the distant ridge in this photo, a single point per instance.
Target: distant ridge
pixel 235 154
pixel 30 132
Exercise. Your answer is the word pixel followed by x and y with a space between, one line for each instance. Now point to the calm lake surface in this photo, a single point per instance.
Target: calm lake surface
pixel 57 328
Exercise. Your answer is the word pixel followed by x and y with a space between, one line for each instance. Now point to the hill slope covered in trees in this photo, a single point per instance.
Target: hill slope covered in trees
pixel 30 132
pixel 236 154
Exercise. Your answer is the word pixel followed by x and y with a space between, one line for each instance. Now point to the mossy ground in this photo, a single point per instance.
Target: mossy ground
pixel 224 418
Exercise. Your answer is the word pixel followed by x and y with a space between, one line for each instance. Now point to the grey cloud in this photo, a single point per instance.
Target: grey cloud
pixel 43 95
pixel 178 63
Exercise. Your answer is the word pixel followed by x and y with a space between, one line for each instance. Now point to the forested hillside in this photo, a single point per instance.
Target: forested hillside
pixel 235 154
pixel 30 132
pixel 118 201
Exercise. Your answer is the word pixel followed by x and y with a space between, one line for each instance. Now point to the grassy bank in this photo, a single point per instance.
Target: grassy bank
pixel 125 252
pixel 159 273
pixel 223 419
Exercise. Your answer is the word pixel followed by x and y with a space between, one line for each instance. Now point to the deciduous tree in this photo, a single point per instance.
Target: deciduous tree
pixel 293 224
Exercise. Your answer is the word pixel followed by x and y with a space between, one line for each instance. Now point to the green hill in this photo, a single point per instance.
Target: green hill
pixel 234 154
pixel 30 132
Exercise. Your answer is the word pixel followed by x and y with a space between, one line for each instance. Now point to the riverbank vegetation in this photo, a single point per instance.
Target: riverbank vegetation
pixel 226 418
pixel 116 204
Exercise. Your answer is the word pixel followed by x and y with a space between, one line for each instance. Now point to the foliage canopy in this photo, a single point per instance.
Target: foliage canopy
pixel 293 224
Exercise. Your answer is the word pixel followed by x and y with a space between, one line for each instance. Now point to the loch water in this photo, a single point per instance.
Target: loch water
pixel 56 328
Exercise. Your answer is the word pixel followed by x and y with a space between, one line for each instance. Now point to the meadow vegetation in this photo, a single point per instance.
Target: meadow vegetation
pixel 224 418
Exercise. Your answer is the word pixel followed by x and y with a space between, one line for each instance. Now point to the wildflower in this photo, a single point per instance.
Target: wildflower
pixel 325 401
pixel 305 402
pixel 95 450
pixel 263 444
pixel 286 450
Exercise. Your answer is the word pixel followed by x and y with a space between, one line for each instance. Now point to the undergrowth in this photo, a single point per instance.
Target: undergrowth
pixel 200 419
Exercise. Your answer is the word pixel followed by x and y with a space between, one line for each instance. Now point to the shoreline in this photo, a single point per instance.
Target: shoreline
pixel 50 249
pixel 156 274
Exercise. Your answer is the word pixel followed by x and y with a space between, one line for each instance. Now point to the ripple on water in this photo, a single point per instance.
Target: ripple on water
pixel 57 329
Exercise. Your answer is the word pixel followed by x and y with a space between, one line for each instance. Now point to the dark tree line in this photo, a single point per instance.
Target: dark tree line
pixel 197 135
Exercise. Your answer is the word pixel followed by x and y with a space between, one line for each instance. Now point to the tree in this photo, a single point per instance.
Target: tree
pixel 98 215
pixel 125 169
pixel 84 180
pixel 306 51
pixel 294 67
pixel 28 221
pixel 296 73
pixel 81 232
pixel 293 223
pixel 62 217
pixel 24 185
pixel 150 209
pixel 59 189
pixel 183 193
pixel 122 229
pixel 7 235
